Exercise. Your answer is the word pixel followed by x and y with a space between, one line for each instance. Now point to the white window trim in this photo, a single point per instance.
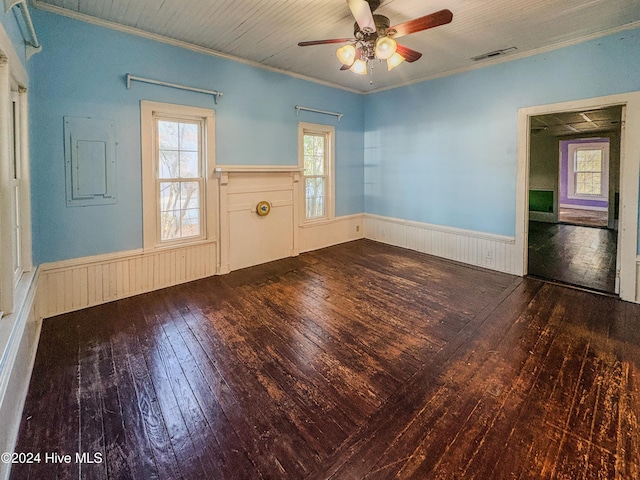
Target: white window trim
pixel 150 201
pixel 571 174
pixel 11 90
pixel 330 132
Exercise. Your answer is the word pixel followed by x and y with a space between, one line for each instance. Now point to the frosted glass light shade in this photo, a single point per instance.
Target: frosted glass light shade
pixel 359 66
pixel 385 47
pixel 346 54
pixel 394 60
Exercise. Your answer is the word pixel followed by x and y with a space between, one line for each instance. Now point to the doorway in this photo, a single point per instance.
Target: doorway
pixel 574 165
pixel 627 240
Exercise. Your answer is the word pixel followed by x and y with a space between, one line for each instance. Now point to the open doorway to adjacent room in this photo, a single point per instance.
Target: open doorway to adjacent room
pixel 574 185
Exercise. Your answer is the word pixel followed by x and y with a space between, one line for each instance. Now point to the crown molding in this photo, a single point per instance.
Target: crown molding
pixel 196 48
pixel 512 57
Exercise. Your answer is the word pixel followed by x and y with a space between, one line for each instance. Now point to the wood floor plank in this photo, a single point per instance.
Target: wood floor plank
pixel 90 395
pixel 353 458
pixel 357 361
pixel 133 446
pixel 183 416
pixel 291 453
pixel 229 451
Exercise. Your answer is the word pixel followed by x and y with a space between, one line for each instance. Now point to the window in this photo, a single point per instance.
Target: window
pixel 316 161
pixel 177 163
pixel 180 181
pixel 588 171
pixel 14 178
pixel 15 236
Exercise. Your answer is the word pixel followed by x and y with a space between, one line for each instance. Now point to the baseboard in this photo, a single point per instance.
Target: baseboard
pixel 542 217
pixel 19 344
pixel 314 236
pixel 84 282
pixel 496 252
pixel 584 207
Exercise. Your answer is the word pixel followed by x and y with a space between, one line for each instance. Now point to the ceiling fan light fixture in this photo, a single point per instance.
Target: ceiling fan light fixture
pixel 359 66
pixel 346 54
pixel 385 47
pixel 394 60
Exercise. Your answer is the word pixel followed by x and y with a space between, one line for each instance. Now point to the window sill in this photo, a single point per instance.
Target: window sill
pixel 177 246
pixel 319 222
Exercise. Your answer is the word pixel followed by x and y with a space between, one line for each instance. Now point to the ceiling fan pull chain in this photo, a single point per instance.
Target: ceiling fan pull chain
pixel 371 74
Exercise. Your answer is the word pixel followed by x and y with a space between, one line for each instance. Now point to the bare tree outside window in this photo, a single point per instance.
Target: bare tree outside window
pixel 588 172
pixel 315 167
pixel 180 179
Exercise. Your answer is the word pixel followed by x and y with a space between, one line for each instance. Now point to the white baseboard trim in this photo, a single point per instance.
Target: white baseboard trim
pixel 495 252
pixel 78 283
pixel 84 282
pixel 19 334
pixel 583 207
pixel 314 236
pixel 542 217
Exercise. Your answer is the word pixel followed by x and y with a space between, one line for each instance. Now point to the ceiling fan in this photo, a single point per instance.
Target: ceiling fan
pixel 374 38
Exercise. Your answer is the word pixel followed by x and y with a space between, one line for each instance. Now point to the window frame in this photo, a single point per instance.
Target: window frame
pixel 572 150
pixel 15 182
pixel 328 132
pixel 151 112
pixel 15 207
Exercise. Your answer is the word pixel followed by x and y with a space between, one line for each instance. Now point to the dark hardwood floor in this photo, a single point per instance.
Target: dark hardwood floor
pixel 356 361
pixel 578 255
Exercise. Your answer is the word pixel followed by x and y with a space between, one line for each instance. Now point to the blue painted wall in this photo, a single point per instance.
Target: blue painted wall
pixel 447 155
pixel 81 72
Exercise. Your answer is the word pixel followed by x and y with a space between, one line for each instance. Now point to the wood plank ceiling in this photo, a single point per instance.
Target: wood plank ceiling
pixel 267 32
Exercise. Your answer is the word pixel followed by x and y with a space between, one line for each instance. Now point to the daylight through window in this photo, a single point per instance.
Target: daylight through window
pixel 179 178
pixel 316 160
pixel 178 193
pixel 314 175
pixel 588 172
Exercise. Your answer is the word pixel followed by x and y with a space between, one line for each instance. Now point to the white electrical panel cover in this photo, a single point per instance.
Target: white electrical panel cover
pixel 90 160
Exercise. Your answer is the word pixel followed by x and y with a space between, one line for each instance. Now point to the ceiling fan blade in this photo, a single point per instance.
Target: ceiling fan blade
pixel 361 11
pixel 324 42
pixel 408 54
pixel 423 23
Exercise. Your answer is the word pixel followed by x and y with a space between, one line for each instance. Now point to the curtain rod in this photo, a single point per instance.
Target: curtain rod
pixel 307 109
pixel 215 93
pixel 32 45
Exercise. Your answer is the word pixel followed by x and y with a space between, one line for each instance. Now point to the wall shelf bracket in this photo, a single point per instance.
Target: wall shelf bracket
pixel 32 45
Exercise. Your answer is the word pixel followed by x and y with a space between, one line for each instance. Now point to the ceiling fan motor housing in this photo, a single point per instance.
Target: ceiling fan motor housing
pixel 382 24
pixel 367 41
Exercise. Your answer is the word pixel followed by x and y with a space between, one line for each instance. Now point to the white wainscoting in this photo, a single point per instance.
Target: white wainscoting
pixel 314 236
pixel 19 333
pixel 83 282
pixel 495 252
